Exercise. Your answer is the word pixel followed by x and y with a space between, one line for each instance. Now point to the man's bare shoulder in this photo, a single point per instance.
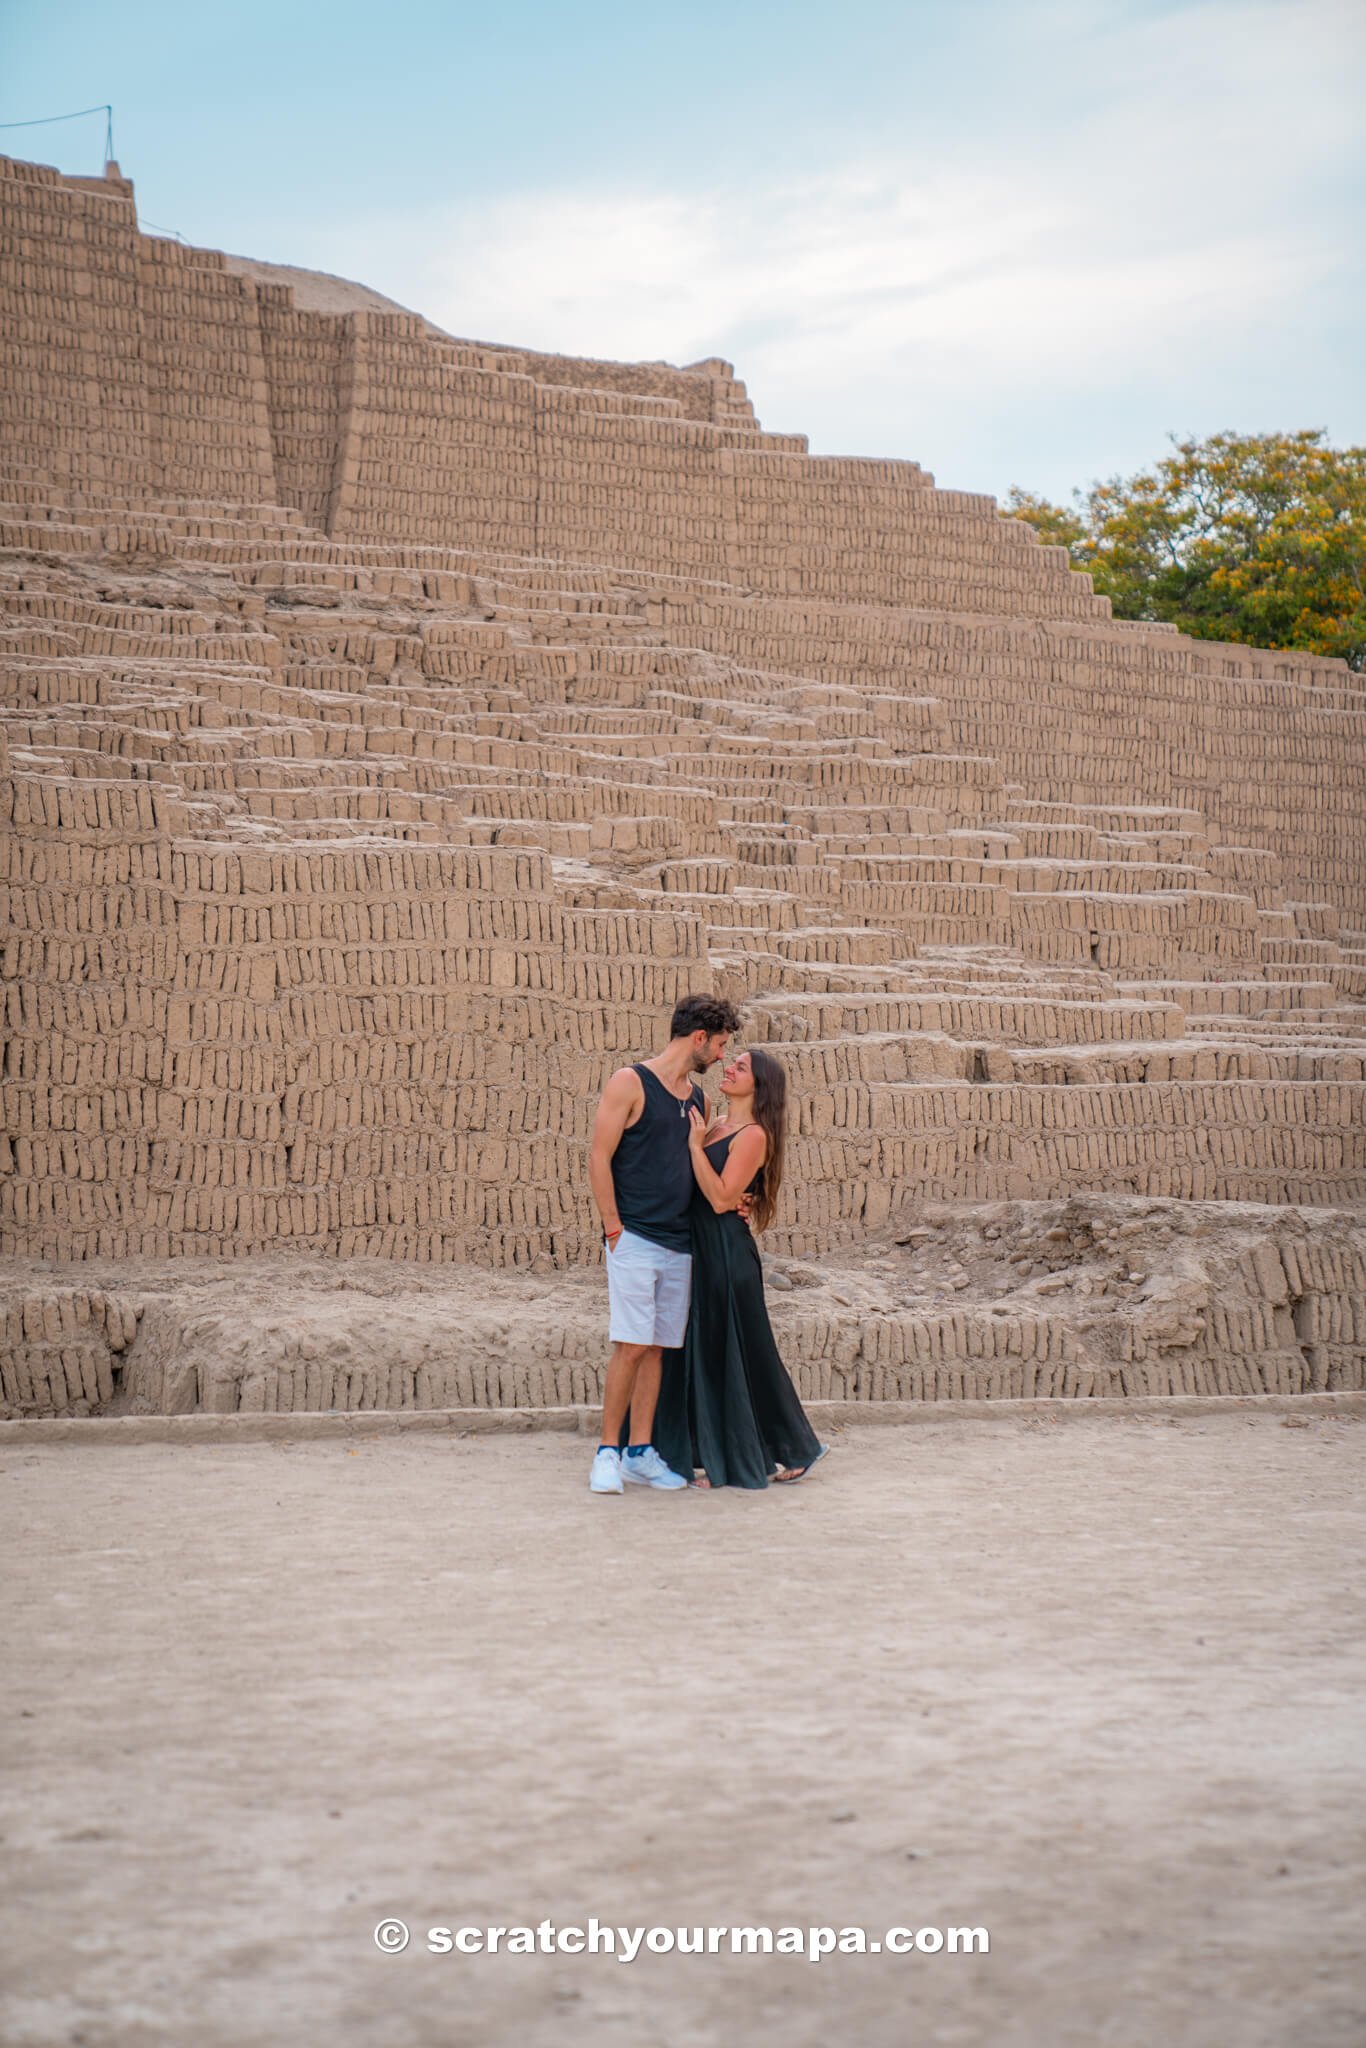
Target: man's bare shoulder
pixel 623 1086
pixel 620 1106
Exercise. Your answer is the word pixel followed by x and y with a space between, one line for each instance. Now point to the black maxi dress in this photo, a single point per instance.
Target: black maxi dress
pixel 726 1402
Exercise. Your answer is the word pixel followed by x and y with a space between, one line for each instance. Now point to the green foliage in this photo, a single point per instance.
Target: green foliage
pixel 1259 538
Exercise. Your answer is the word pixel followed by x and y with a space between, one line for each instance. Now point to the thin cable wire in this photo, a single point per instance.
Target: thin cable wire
pixel 48 119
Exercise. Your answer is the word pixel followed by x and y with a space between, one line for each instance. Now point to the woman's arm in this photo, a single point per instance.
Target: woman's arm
pixel 725 1191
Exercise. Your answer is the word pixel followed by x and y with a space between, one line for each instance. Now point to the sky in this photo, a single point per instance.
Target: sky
pixel 1021 242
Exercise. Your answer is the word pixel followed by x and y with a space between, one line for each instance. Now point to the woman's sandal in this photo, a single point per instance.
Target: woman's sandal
pixel 798 1471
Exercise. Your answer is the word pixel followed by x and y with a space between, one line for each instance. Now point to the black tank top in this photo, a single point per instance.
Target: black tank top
pixel 722 1145
pixel 651 1171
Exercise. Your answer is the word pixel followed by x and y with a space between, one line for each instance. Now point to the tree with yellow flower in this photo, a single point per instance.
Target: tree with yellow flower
pixel 1253 537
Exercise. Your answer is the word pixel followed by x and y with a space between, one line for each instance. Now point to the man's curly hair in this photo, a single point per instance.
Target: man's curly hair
pixel 703 1013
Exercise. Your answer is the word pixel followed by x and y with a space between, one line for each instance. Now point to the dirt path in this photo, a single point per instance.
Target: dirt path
pixel 1095 1687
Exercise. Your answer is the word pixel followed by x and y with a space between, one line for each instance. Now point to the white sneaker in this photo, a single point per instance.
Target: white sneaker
pixel 649 1469
pixel 605 1476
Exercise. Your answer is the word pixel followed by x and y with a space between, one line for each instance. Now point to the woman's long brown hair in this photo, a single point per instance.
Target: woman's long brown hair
pixel 770 1113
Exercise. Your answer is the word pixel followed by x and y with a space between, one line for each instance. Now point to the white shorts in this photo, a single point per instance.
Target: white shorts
pixel 648 1286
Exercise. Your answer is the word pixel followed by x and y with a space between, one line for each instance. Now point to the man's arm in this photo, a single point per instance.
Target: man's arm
pixel 615 1105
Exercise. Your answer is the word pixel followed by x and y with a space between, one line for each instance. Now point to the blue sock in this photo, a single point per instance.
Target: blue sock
pixel 636 1450
pixel 609 1447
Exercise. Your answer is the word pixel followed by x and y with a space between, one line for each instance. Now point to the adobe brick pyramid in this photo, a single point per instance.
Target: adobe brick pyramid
pixel 394 726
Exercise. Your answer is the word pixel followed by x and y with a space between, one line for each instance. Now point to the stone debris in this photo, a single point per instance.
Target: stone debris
pixel 393 727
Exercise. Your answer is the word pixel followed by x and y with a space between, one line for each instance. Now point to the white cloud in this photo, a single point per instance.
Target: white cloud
pixel 1175 212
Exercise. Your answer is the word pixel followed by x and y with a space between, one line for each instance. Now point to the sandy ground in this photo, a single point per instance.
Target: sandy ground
pixel 1096 1687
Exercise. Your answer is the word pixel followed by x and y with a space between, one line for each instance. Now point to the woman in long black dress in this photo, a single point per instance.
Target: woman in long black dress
pixel 726 1402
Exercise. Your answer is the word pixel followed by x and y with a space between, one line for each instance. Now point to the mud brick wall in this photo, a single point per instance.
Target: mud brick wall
pixel 439 440
pixel 1261 1304
pixel 433 442
pixel 394 727
pixel 208 411
pixel 703 391
pixel 1266 746
pixel 644 491
pixel 89 958
pixel 303 355
pixel 411 989
pixel 73 403
pixel 134 362
pixel 373 1050
pixel 879 532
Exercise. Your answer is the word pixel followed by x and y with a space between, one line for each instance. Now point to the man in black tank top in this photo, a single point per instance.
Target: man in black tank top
pixel 642 1181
